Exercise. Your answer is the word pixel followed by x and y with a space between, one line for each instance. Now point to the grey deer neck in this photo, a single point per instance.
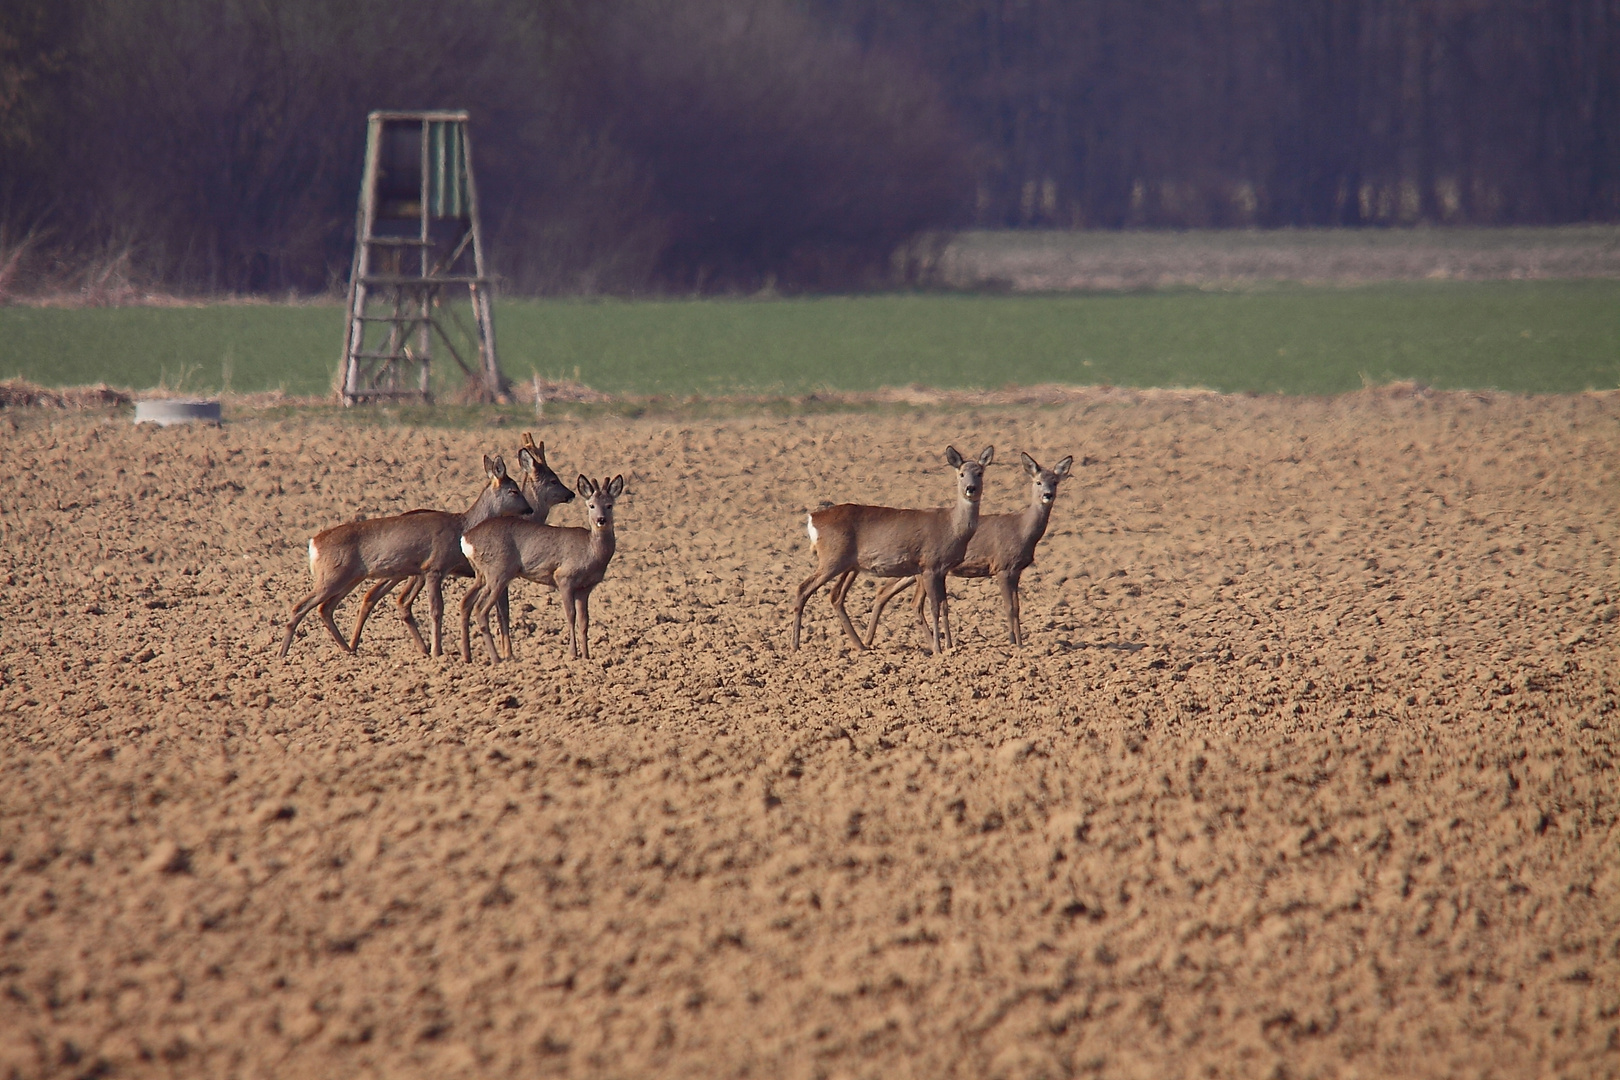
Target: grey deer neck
pixel 481 510
pixel 965 515
pixel 1037 514
pixel 603 542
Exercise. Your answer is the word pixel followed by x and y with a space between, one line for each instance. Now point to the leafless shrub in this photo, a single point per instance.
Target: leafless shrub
pixel 108 279
pixel 13 256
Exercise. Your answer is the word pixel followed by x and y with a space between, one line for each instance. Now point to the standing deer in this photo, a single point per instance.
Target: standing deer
pixel 887 542
pixel 1003 547
pixel 425 543
pixel 571 560
pixel 542 489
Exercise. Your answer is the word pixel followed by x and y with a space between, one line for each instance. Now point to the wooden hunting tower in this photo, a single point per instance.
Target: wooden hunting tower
pixel 417 234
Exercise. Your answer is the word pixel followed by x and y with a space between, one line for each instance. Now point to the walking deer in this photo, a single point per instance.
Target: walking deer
pixel 888 542
pixel 571 560
pixel 425 543
pixel 1003 547
pixel 542 489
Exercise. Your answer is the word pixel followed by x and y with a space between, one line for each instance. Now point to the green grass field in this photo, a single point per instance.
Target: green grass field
pixel 1531 336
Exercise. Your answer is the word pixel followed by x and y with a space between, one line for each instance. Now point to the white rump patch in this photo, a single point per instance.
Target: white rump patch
pixel 810 526
pixel 466 548
pixel 312 553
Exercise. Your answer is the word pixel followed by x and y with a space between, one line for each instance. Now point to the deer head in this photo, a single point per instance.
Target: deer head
pixel 1045 481
pixel 501 496
pixel 969 473
pixel 599 499
pixel 545 487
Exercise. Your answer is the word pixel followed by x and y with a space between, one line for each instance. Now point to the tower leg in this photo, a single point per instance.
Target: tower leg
pixel 489 367
pixel 424 344
pixel 355 336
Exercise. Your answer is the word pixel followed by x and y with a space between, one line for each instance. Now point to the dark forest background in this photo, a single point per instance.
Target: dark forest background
pixel 712 145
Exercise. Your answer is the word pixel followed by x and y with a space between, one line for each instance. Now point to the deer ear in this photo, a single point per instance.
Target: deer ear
pixel 616 487
pixel 1031 466
pixel 585 486
pixel 497 468
pixel 988 456
pixel 1062 467
pixel 526 461
pixel 952 458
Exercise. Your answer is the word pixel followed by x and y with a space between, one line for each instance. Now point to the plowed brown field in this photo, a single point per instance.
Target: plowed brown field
pixel 1307 770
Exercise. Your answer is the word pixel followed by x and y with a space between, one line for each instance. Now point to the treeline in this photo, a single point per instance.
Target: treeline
pixel 1176 113
pixel 649 144
pixel 678 145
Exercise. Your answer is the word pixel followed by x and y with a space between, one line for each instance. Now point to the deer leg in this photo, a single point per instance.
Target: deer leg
pixel 883 597
pixel 566 593
pixel 403 603
pixel 1009 600
pixel 503 612
pixel 492 603
pixel 486 601
pixel 936 601
pixel 1018 611
pixel 807 588
pixel 367 602
pixel 325 608
pixel 840 588
pixel 1016 599
pixel 300 609
pixel 584 602
pixel 467 602
pixel 503 602
pixel 304 607
pixel 413 589
pixel 478 599
pixel 435 591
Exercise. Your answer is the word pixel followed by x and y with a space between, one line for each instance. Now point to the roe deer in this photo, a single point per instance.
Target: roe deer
pixel 571 560
pixel 1003 547
pixel 542 489
pixel 425 543
pixel 887 542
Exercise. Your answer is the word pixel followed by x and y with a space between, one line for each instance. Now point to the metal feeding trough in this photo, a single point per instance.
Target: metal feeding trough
pixel 170 411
